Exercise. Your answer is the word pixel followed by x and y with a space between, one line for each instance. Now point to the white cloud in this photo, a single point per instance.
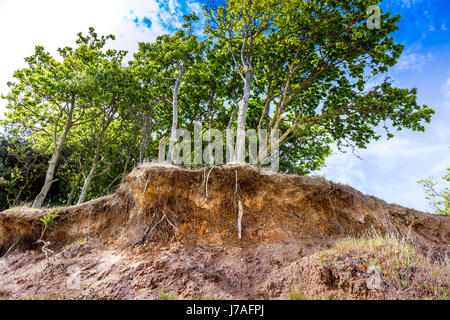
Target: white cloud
pixel 445 89
pixel 408 3
pixel 400 147
pixel 413 61
pixel 194 6
pixel 390 169
pixel 444 27
pixel 441 166
pixel 55 23
pixel 442 130
pixel 345 168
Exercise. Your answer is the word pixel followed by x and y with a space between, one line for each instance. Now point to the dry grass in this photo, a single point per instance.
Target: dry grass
pixel 26 208
pixel 403 269
pixel 155 164
pixel 23 209
pixel 235 164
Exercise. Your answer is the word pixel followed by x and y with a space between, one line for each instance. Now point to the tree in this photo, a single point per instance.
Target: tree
pixel 50 97
pixel 149 108
pixel 309 63
pixel 114 92
pixel 168 60
pixel 240 26
pixel 22 170
pixel 299 68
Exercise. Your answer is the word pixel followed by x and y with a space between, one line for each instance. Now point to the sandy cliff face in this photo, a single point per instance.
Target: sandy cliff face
pixel 173 229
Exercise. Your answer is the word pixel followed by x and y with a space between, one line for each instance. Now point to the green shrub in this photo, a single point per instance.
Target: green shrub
pixel 49 220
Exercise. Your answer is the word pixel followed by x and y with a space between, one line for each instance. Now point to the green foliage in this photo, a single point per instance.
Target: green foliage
pixel 22 172
pixel 439 199
pixel 306 66
pixel 309 63
pixel 49 220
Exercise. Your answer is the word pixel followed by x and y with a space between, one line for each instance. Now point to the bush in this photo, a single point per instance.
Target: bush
pixel 49 220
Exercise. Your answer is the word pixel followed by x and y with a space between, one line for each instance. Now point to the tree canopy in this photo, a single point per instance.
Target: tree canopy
pixel 304 69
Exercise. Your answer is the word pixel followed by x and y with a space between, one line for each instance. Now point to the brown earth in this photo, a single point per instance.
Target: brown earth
pixel 173 230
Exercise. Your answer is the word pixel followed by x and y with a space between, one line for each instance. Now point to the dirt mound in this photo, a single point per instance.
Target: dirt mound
pixel 165 223
pixel 163 204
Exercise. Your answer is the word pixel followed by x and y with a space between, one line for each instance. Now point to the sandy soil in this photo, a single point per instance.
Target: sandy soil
pixel 169 232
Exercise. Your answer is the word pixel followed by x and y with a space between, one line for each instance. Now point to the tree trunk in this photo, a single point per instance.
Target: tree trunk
pixel 162 151
pixel 240 137
pixel 125 168
pixel 90 176
pixel 87 183
pixel 74 190
pixel 40 198
pixel 175 113
pixel 233 114
pixel 98 152
pixel 145 135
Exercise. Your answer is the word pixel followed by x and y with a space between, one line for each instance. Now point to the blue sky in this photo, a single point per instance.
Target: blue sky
pixel 388 169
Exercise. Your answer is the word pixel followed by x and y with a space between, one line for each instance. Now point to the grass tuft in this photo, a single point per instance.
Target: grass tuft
pixel 401 267
pixel 296 294
pixel 164 295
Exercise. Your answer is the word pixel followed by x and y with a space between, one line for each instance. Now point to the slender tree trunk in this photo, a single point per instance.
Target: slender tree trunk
pixel 125 168
pixel 40 198
pixel 162 151
pixel 233 115
pixel 87 183
pixel 174 123
pixel 98 152
pixel 145 134
pixel 175 113
pixel 74 190
pixel 240 137
pixel 90 176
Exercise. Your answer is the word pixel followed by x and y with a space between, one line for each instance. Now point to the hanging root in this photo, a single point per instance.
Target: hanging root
pixel 335 216
pixel 240 213
pixel 10 248
pixel 186 235
pixel 240 208
pixel 89 224
pixel 145 188
pixel 44 248
pixel 206 183
pixel 47 251
pixel 236 185
pixel 148 231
